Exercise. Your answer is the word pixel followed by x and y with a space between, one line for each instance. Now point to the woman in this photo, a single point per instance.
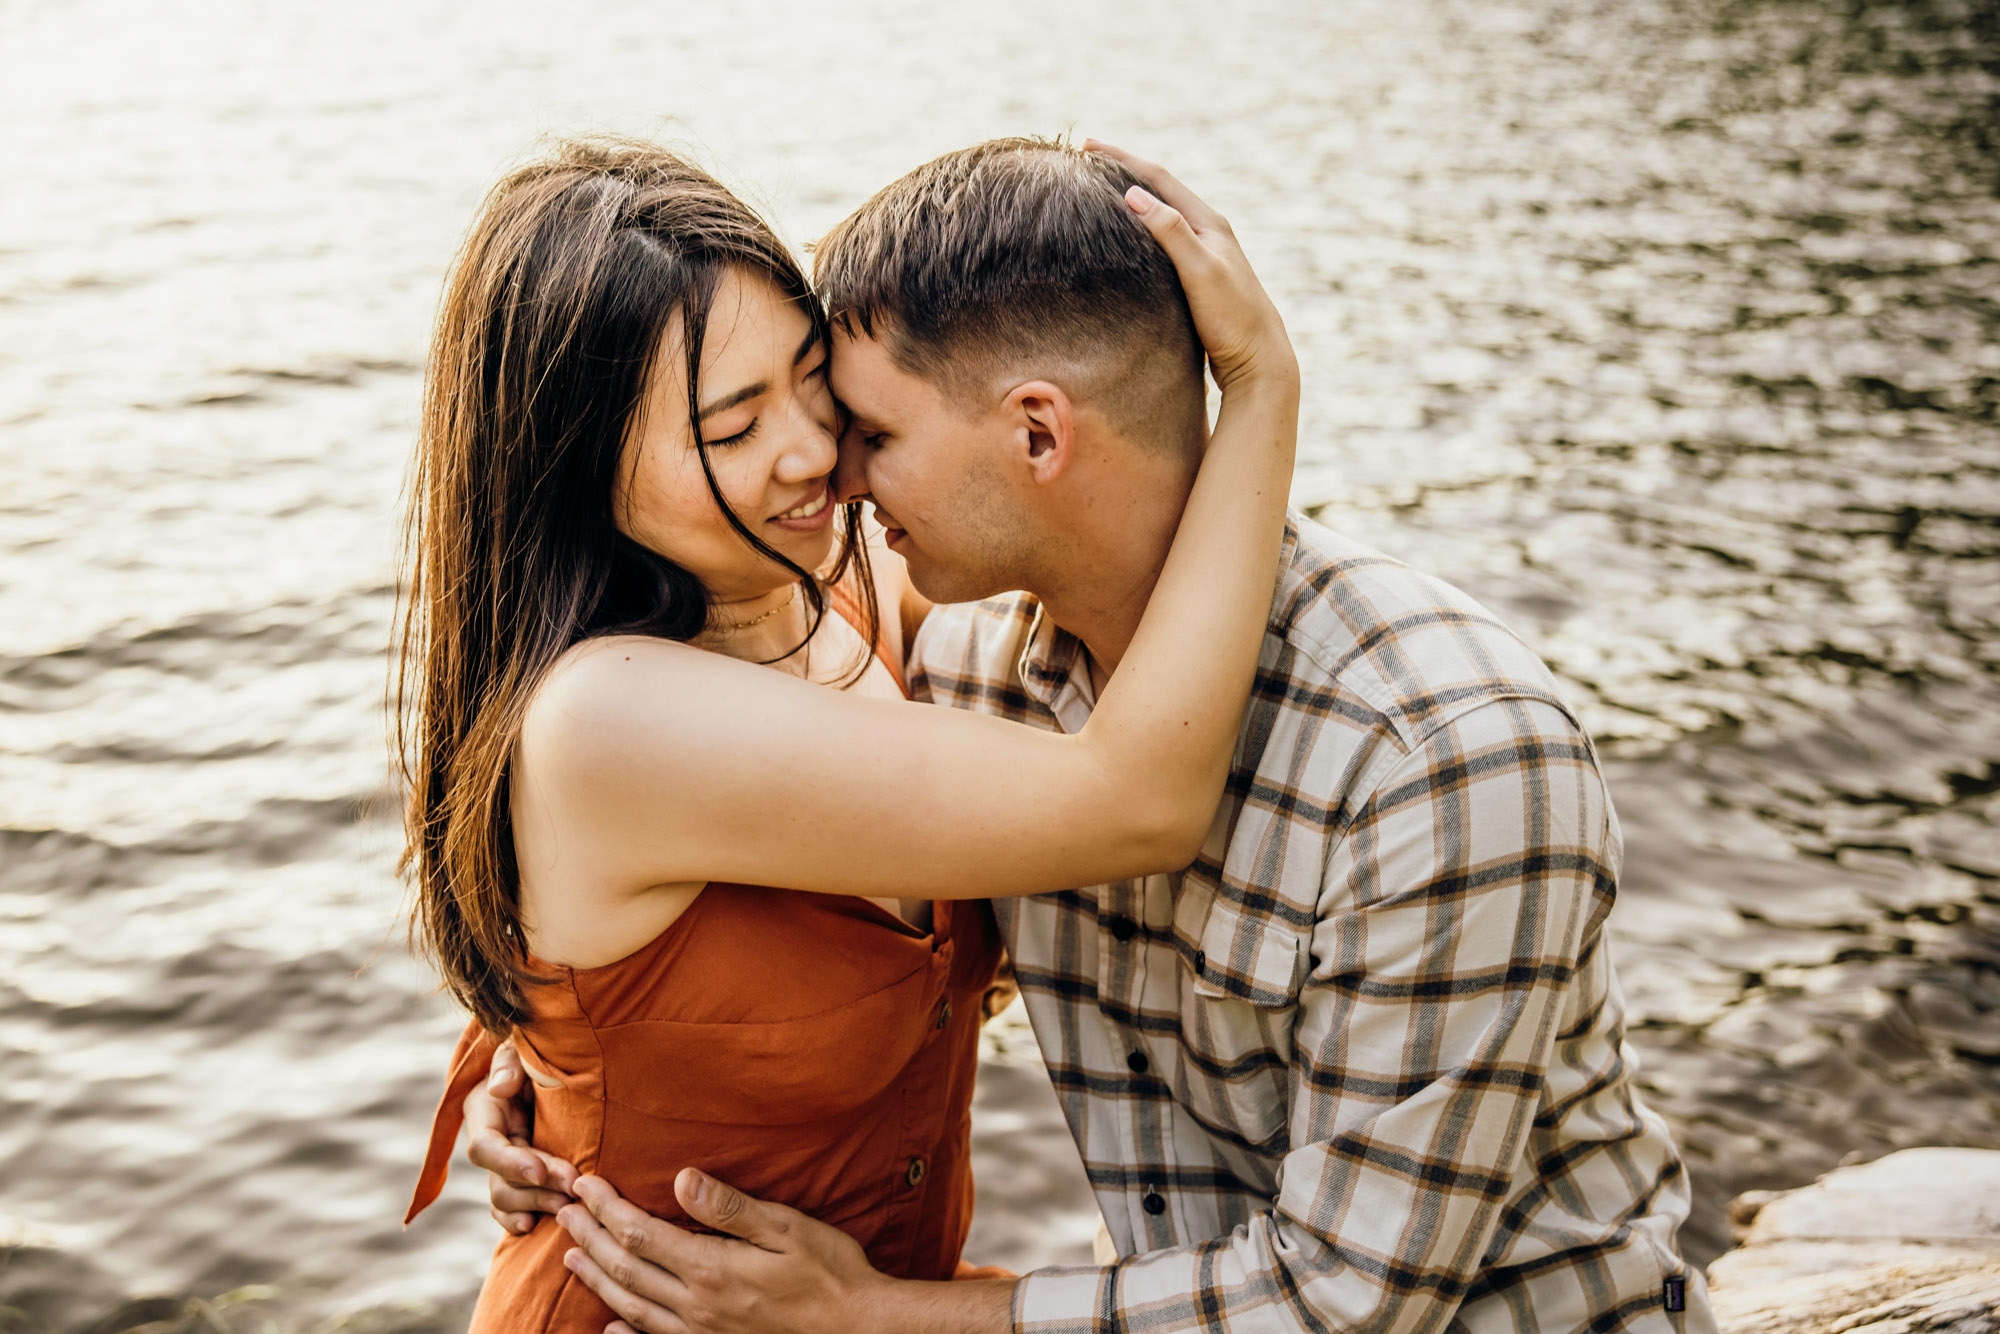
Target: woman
pixel 624 761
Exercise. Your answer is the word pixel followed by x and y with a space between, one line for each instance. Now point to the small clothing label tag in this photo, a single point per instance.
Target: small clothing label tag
pixel 1675 1290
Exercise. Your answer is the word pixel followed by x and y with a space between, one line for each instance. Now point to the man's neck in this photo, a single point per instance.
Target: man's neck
pixel 1106 624
pixel 1107 576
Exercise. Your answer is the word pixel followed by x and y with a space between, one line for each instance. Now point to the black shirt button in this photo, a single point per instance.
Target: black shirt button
pixel 1138 1062
pixel 1200 962
pixel 1123 929
pixel 1155 1203
pixel 944 1014
pixel 916 1172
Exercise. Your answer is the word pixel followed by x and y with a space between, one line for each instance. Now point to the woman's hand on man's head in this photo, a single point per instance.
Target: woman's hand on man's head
pixel 1240 328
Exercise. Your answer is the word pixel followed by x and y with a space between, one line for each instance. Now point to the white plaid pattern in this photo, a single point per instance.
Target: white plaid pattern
pixel 1360 1067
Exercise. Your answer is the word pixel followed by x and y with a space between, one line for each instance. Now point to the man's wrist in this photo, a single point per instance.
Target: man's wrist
pixel 908 1306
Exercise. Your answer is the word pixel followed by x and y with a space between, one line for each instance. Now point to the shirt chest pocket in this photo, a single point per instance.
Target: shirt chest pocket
pixel 1238 979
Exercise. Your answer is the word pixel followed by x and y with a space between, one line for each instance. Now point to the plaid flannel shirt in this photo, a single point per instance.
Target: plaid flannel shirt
pixel 1360 1066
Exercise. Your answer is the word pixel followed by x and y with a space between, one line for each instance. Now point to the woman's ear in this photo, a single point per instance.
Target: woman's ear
pixel 1044 428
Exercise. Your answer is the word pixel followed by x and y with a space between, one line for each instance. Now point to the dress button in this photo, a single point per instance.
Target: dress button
pixel 1200 963
pixel 1138 1062
pixel 1123 929
pixel 944 1014
pixel 1155 1203
pixel 916 1173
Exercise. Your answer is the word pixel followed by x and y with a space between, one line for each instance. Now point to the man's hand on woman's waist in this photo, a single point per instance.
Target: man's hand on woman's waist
pixel 522 1181
pixel 775 1272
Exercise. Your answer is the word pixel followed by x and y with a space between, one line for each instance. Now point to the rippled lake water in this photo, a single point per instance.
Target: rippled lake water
pixel 1667 327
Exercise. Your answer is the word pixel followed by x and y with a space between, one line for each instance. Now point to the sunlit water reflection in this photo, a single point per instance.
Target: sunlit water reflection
pixel 1665 326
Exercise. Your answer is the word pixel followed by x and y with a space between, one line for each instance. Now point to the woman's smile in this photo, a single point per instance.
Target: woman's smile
pixel 811 515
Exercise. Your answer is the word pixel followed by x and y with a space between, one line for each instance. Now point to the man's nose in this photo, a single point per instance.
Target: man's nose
pixel 850 474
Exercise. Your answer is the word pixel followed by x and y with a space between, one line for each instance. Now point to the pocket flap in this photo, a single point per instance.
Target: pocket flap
pixel 1239 953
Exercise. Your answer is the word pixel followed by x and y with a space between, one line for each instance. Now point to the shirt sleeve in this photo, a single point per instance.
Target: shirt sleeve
pixel 1450 925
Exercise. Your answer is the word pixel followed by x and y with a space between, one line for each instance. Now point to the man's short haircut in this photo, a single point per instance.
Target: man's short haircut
pixel 1020 256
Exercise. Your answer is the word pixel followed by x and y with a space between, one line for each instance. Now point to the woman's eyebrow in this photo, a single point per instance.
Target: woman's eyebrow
pixel 812 341
pixel 728 401
pixel 749 391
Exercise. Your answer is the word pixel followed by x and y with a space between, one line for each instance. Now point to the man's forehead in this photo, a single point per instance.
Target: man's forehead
pixel 856 344
pixel 867 378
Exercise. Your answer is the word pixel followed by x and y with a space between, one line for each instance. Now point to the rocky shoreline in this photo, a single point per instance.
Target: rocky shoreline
pixel 1907 1244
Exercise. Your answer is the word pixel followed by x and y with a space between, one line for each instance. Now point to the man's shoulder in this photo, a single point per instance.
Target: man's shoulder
pixel 1416 650
pixel 969 653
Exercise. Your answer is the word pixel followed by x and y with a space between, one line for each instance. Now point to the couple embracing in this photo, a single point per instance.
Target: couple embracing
pixel 1300 859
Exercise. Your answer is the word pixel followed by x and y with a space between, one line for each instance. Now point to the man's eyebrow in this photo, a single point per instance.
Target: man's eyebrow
pixel 812 341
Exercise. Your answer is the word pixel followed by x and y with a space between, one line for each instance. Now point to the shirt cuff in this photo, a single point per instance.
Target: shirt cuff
pixel 1063 1300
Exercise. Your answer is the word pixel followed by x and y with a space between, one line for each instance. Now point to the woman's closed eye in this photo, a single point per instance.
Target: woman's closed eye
pixel 740 436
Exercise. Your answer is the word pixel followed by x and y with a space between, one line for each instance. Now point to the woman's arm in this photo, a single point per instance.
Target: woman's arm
pixel 656 763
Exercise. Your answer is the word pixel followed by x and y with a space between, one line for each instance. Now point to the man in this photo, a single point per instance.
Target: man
pixel 1360 1066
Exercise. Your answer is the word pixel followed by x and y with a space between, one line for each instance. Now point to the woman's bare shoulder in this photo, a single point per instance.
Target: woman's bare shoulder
pixel 603 688
pixel 588 668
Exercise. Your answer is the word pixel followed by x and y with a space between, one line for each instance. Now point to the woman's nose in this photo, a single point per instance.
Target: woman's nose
pixel 810 452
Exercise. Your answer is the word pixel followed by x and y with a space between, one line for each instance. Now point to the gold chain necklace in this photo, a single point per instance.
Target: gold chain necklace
pixel 729 626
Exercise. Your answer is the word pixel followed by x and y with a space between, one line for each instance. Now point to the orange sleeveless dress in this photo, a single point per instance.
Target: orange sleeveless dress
pixel 811 1049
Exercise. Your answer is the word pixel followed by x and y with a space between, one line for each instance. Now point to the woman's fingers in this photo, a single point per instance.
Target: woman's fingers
pixel 1231 314
pixel 1162 183
pixel 1240 328
pixel 1170 227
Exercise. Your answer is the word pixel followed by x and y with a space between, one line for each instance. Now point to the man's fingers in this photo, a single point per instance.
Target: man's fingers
pixel 516 1164
pixel 497 1112
pixel 506 1057
pixel 635 1312
pixel 519 1225
pixel 558 1174
pixel 490 1151
pixel 508 1089
pixel 611 1264
pixel 507 1199
pixel 727 1209
pixel 490 1105
pixel 512 1169
pixel 610 1220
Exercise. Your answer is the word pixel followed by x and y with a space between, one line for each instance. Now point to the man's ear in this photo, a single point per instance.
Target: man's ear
pixel 1043 421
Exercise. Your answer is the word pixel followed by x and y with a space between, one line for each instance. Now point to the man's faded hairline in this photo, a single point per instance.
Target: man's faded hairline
pixel 974 365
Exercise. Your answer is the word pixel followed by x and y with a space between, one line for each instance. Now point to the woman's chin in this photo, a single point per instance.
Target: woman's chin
pixel 812 552
pixel 808 551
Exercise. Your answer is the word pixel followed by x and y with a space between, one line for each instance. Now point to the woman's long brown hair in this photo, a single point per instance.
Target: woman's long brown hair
pixel 552 315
